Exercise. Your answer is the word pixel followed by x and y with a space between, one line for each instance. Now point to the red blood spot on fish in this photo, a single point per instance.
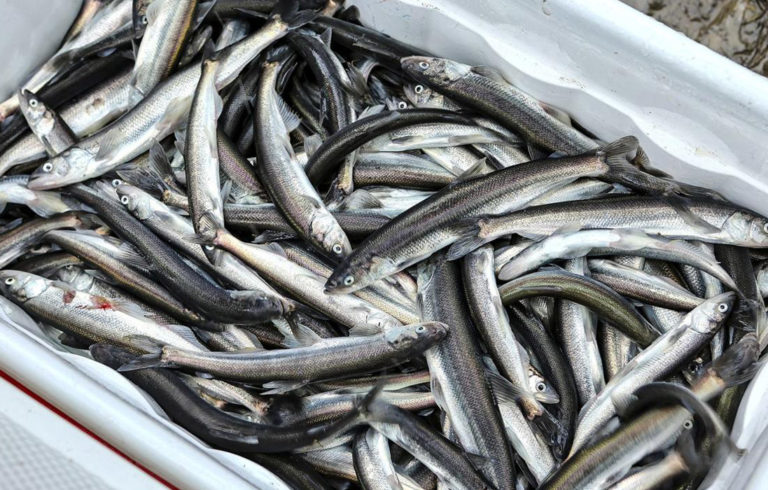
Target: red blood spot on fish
pixel 68 297
pixel 101 303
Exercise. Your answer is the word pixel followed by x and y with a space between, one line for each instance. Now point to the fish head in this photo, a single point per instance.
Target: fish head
pixel 352 275
pixel 22 286
pixel 35 112
pixel 76 277
pixel 543 390
pixel 745 226
pixel 422 96
pixel 69 167
pixel 418 336
pixel 708 316
pixel 326 230
pixel 437 72
pixel 138 202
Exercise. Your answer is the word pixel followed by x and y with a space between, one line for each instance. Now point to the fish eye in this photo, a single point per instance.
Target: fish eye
pixel 47 167
pixel 336 249
pixel 418 89
pixel 349 280
pixel 10 281
pixel 402 105
pixel 423 65
pixel 124 200
pixel 541 386
pixel 765 227
pixel 722 307
pixel 33 103
pixel 144 20
pixel 421 329
pixel 116 182
pixel 688 424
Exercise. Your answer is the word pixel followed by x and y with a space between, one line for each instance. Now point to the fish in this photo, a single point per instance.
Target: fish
pixel 492 322
pixel 575 329
pixel 168 25
pixel 201 156
pixel 583 290
pixel 46 124
pixel 353 262
pixel 444 459
pixel 657 360
pixel 516 110
pixel 458 379
pixel 15 242
pixel 175 274
pixel 704 220
pixel 438 219
pixel 285 180
pixel 94 317
pixel 157 115
pixel 322 359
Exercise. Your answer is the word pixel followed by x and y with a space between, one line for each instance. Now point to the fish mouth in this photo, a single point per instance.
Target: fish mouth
pixel 41 180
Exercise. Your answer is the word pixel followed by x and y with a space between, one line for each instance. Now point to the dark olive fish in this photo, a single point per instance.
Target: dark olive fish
pixel 185 407
pixel 357 224
pixel 438 221
pixel 189 286
pixel 592 294
pixel 458 376
pixel 326 159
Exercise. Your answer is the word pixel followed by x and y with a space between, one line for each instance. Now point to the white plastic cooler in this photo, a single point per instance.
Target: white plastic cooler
pixel 699 116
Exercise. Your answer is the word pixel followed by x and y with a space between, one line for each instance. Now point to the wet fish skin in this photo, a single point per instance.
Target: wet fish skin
pixel 492 322
pixel 171 271
pixel 307 286
pixel 326 358
pixel 516 110
pixel 156 116
pixel 575 328
pixel 324 406
pixel 333 150
pixel 603 458
pixel 185 407
pixel 201 156
pixel 653 215
pixel 46 264
pixel 399 170
pixel 93 317
pixel 555 367
pixel 606 302
pixel 642 286
pixel 436 222
pixel 357 224
pixel 15 242
pixel 285 181
pixel 657 360
pixel 46 123
pixel 458 376
pixel 600 242
pixel 438 454
pixel 167 28
pixel 373 463
pixel 297 474
pixel 124 275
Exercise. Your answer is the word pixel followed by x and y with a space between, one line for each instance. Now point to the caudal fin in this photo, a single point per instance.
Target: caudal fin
pixel 470 240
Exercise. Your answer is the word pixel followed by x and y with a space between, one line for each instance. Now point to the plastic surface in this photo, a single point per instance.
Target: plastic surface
pixel 699 116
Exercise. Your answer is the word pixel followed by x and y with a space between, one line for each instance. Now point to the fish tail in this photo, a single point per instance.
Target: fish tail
pixel 618 154
pixel 471 239
pixel 147 361
pixel 288 11
pixel 365 406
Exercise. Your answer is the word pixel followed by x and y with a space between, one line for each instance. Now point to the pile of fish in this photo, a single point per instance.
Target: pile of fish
pixel 356 263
